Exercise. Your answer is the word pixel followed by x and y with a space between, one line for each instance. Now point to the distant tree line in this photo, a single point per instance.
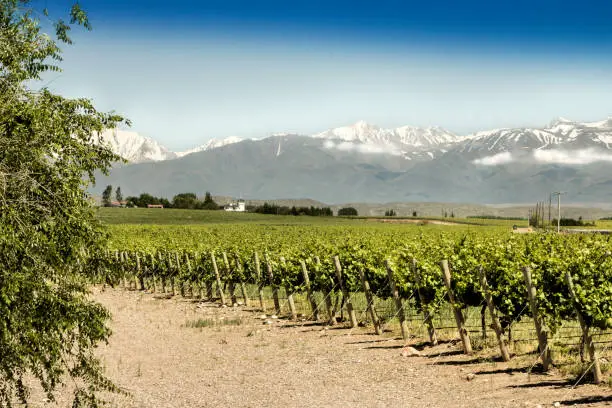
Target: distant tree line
pixel 190 201
pixel 495 217
pixel 571 222
pixel 145 199
pixel 286 210
pixel 182 200
pixel 347 212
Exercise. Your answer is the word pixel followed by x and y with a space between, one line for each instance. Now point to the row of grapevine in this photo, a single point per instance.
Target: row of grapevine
pixel 548 278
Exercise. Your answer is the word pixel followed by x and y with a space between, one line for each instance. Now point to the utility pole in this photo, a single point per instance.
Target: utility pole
pixel 558 194
pixel 528 218
pixel 549 208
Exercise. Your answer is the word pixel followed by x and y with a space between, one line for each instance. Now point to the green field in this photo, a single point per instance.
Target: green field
pixel 133 228
pixel 169 216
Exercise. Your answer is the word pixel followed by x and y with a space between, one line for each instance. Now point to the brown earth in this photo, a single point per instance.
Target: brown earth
pixel 245 362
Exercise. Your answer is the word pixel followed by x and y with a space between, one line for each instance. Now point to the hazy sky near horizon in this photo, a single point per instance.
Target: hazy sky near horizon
pixel 186 72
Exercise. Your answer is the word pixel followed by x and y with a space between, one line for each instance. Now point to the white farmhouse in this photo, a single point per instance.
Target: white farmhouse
pixel 237 206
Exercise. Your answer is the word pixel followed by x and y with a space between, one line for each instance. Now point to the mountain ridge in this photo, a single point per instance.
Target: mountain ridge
pixel 498 166
pixel 409 141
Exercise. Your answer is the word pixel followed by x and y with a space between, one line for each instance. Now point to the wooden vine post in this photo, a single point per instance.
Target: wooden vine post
pixel 345 292
pixel 189 273
pixel 232 280
pixel 205 280
pixel 427 316
pixel 331 313
pixel 163 277
pixel 133 279
pixel 137 273
pixel 119 259
pixel 153 277
pixel 172 276
pixel 125 259
pixel 277 308
pixel 463 333
pixel 260 283
pixel 588 338
pixel 289 291
pixel 217 278
pixel 243 289
pixel 499 333
pixel 537 320
pixel 370 299
pixel 140 273
pixel 399 307
pixel 313 303
pixel 198 277
pixel 129 272
pixel 209 285
pixel 181 283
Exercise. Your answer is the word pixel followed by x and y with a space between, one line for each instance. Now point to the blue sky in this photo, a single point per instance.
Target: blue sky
pixel 188 71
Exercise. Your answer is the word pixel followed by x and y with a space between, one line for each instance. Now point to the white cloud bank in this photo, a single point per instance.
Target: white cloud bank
pixel 495 160
pixel 365 148
pixel 586 156
pixel 574 157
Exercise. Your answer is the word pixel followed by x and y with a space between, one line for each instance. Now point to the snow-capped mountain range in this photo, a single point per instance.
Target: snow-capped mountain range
pixel 414 137
pixel 134 147
pixel 211 144
pixel 483 147
pixel 560 131
pixel 364 162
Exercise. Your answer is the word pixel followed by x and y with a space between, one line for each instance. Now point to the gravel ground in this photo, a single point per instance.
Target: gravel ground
pixel 239 360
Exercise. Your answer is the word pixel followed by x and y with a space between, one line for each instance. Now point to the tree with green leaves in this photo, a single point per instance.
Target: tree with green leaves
pixel 119 195
pixel 209 203
pixel 107 196
pixel 185 201
pixel 49 235
pixel 348 211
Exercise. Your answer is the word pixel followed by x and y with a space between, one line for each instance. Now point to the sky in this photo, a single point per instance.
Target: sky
pixel 185 72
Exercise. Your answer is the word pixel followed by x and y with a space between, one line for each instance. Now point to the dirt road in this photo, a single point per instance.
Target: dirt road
pixel 236 359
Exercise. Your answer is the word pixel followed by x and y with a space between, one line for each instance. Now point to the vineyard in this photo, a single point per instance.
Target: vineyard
pixel 548 294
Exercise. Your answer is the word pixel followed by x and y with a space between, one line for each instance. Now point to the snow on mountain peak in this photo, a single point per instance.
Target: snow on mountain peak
pixel 133 147
pixel 561 119
pixel 409 141
pixel 362 124
pixel 211 144
pixel 402 138
pixel 601 124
